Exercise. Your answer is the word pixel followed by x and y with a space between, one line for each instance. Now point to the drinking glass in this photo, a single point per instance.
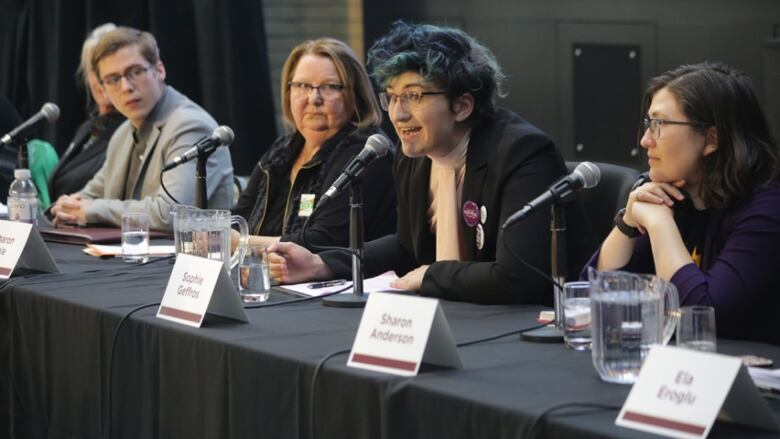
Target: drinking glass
pixel 696 329
pixel 576 315
pixel 135 237
pixel 253 280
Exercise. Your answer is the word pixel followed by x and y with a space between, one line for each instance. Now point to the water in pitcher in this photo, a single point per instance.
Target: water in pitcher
pixel 626 325
pixel 210 244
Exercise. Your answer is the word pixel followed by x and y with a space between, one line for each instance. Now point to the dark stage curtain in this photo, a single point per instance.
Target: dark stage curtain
pixel 214 52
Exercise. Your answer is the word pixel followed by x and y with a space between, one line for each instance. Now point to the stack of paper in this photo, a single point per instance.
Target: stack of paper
pixel 115 250
pixel 765 378
pixel 378 283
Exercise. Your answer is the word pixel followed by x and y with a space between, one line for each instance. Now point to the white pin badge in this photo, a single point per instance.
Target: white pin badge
pixel 480 237
pixel 483 214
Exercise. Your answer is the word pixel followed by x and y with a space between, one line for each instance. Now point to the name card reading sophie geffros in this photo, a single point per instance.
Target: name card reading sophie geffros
pixel 198 286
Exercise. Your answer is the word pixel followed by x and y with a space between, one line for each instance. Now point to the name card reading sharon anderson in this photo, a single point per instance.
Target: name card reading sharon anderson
pixel 393 329
pixel 22 246
pixel 11 248
pixel 197 286
pixel 397 332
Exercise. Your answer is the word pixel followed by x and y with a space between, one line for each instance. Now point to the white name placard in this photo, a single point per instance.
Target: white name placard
pixel 21 246
pixel 198 286
pixel 680 392
pixel 398 333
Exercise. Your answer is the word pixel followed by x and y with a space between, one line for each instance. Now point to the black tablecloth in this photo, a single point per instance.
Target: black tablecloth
pixel 233 380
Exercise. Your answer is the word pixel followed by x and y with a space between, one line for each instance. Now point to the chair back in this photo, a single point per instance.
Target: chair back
pixel 610 195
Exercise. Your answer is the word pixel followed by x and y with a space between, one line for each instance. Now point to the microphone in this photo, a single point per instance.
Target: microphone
pixel 50 112
pixel 585 175
pixel 222 135
pixel 376 146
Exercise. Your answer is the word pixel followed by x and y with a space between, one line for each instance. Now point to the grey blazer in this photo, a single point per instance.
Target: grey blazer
pixel 177 123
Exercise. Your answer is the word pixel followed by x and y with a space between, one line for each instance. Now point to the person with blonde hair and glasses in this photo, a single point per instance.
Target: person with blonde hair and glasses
pixel 329 105
pixel 87 151
pixel 161 125
pixel 709 218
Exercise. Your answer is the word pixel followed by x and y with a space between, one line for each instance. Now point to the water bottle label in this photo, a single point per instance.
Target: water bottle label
pixel 22 210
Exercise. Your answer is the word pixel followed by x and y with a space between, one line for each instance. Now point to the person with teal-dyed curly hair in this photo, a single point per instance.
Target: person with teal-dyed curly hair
pixel 467 165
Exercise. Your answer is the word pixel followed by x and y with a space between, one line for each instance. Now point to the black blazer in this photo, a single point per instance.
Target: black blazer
pixel 76 166
pixel 509 162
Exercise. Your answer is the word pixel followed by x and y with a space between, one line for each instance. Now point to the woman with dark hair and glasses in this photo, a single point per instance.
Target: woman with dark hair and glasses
pixel 466 166
pixel 709 218
pixel 331 110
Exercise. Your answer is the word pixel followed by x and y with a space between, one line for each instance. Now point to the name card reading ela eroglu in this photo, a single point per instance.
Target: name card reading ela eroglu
pixel 679 393
pixel 398 333
pixel 197 286
pixel 22 246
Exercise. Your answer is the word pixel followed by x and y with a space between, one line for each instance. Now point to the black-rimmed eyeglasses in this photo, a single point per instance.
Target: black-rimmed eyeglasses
pixel 328 91
pixel 410 99
pixel 133 74
pixel 654 125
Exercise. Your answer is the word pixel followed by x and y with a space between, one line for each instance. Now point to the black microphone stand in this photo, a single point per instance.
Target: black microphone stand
pixel 201 192
pixel 357 299
pixel 553 333
pixel 22 157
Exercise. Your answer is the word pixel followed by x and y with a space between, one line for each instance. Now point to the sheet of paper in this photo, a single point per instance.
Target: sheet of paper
pixel 3 209
pixel 116 250
pixel 374 284
pixel 765 378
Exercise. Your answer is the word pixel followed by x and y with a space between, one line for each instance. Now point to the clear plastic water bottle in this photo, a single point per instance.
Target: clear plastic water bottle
pixel 23 198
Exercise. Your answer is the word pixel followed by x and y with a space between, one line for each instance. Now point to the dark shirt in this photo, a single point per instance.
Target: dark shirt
pixel 508 163
pixel 85 155
pixel 738 275
pixel 272 207
pixel 277 202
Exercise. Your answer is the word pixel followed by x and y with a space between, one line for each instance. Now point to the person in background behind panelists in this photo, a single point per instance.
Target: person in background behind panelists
pixel 709 219
pixel 161 124
pixel 41 156
pixel 9 119
pixel 328 102
pixel 466 167
pixel 87 151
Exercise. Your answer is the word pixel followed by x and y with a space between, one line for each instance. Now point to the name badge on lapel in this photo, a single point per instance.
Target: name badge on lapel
pixel 306 206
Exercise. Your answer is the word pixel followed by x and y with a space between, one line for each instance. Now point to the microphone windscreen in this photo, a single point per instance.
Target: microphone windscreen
pixel 51 112
pixel 378 143
pixel 588 173
pixel 224 134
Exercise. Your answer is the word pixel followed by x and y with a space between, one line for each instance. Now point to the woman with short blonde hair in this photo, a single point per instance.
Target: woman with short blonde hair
pixel 328 103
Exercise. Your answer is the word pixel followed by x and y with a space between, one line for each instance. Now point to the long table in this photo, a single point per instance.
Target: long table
pixel 234 380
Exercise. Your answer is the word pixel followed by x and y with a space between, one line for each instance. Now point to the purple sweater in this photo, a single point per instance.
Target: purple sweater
pixel 739 276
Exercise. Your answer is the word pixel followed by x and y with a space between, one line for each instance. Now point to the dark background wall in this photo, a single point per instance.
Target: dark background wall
pixel 217 53
pixel 577 68
pixel 214 52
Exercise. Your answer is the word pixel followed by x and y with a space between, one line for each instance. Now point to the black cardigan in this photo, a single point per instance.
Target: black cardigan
pixel 331 225
pixel 509 162
pixel 76 166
